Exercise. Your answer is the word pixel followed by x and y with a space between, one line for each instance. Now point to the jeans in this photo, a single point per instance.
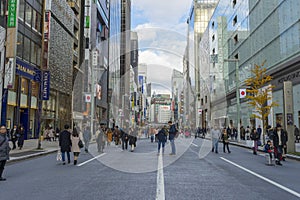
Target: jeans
pixel 161 143
pixel 63 156
pixel 215 143
pixel 225 144
pixel 172 142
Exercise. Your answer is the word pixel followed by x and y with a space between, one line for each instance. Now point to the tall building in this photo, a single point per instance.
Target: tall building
pixel 21 99
pixel 134 58
pixel 177 88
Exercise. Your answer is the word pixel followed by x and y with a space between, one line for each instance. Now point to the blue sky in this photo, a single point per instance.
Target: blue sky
pixel 161 27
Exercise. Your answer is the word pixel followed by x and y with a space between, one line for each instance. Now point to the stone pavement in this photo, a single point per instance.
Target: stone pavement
pixel 30 150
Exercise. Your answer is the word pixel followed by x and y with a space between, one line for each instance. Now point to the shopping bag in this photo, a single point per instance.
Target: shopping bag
pixel 58 156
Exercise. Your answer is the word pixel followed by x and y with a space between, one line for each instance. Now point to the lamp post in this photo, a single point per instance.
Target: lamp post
pixel 237 94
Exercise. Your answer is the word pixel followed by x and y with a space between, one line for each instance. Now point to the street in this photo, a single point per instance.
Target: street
pixel 194 173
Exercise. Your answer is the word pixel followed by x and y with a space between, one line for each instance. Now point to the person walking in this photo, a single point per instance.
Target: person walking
pixel 296 133
pixel 75 147
pixel 215 135
pixel 124 137
pixel 172 134
pixel 162 139
pixel 255 137
pixel 4 150
pixel 87 138
pixel 21 137
pixel 65 143
pixel 14 136
pixel 100 139
pixel 225 140
pixel 109 136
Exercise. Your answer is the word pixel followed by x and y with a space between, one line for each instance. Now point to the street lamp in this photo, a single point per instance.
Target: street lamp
pixel 237 93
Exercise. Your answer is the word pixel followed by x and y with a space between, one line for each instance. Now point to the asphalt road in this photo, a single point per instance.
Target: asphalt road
pixel 194 173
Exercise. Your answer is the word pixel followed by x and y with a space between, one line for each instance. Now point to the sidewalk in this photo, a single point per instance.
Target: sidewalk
pixel 30 150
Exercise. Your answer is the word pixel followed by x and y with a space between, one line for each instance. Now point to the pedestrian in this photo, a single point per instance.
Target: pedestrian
pixel 243 133
pixel 109 136
pixel 172 134
pixel 235 133
pixel 225 137
pixel 296 133
pixel 87 138
pixel 269 148
pixel 162 139
pixel 21 137
pixel 259 131
pixel 229 132
pixel 4 150
pixel 51 133
pixel 100 139
pixel 75 147
pixel 255 137
pixel 215 135
pixel 132 139
pixel 14 136
pixel 280 139
pixel 56 133
pixel 248 130
pixel 124 137
pixel 65 143
pixel 117 134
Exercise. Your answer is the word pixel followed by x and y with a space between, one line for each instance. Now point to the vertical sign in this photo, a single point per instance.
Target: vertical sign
pixel 47 19
pixel 46 85
pixel 9 76
pixel 12 14
pixel 95 58
pixel 141 83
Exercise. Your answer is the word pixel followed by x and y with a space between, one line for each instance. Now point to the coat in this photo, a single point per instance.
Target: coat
pixel 4 147
pixel 162 135
pixel 75 148
pixel 284 138
pixel 65 142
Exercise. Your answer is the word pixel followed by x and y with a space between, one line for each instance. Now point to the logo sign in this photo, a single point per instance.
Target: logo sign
pixel 9 76
pixel 46 85
pixel 88 98
pixel 95 58
pixel 243 93
pixel 12 13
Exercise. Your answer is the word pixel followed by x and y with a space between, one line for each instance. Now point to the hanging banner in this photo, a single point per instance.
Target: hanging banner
pixel 46 85
pixel 12 13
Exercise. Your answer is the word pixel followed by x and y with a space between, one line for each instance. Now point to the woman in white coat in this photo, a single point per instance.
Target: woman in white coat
pixel 75 148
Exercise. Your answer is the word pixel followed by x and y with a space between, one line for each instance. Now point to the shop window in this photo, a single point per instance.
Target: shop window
pixel 21 10
pixel 28 15
pixel 34 88
pixel 26 53
pixel 24 86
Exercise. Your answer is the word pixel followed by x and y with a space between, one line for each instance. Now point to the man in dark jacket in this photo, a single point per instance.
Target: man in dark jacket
pixel 14 135
pixel 172 134
pixel 65 143
pixel 162 138
pixel 4 150
pixel 124 137
pixel 280 139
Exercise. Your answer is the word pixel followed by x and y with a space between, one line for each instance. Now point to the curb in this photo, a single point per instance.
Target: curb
pixel 20 158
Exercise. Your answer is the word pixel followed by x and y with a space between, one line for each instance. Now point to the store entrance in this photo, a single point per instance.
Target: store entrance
pixel 24 119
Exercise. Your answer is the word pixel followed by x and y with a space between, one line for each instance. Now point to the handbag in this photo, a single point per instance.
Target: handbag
pixel 80 144
pixel 58 156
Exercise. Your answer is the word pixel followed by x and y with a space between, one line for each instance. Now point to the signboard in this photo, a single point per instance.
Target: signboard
pixel 88 98
pixel 46 85
pixel 9 75
pixel 94 58
pixel 12 13
pixel 141 84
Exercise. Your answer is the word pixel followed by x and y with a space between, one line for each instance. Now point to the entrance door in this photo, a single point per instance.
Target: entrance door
pixel 24 121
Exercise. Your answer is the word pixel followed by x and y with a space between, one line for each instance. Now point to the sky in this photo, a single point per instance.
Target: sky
pixel 162 29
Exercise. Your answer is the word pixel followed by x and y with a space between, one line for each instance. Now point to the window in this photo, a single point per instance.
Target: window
pixel 234 20
pixel 24 85
pixel 236 39
pixel 213 51
pixel 21 10
pixel 213 25
pixel 20 44
pixel 28 15
pixel 205 99
pixel 213 38
pixel 2 8
pixel 33 53
pixel 26 53
pixel 236 56
pixel 201 102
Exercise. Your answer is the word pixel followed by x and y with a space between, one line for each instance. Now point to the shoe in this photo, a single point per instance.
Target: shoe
pixel 64 163
pixel 229 151
pixel 172 154
pixel 216 152
pixel 2 179
pixel 283 158
pixel 69 161
pixel 75 162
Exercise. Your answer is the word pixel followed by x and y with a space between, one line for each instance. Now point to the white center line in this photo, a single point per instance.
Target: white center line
pixel 264 178
pixel 91 160
pixel 160 187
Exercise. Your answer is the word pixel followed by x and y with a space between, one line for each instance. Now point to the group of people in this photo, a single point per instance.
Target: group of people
pixel 162 136
pixel 216 136
pixel 50 134
pixel 16 135
pixel 120 136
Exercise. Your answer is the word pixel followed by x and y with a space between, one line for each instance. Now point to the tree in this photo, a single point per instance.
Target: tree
pixel 258 94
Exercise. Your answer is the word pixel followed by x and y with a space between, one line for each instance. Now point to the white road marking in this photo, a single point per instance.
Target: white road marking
pixel 160 187
pixel 264 178
pixel 194 144
pixel 91 160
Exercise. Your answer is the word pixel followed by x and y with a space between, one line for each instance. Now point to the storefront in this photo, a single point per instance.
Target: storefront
pixel 20 104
